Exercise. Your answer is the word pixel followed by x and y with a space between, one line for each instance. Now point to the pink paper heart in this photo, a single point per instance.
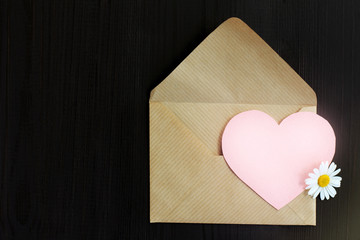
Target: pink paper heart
pixel 272 159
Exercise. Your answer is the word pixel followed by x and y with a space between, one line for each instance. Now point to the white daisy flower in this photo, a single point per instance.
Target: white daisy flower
pixel 323 181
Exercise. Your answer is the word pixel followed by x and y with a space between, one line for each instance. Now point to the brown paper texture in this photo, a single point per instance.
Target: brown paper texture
pixel 231 71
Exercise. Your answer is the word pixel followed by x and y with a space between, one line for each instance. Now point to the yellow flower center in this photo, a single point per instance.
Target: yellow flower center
pixel 323 180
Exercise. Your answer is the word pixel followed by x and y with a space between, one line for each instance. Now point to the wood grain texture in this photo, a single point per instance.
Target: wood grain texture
pixel 75 78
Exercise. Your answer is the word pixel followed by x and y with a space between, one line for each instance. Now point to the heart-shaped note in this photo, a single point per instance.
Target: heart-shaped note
pixel 274 159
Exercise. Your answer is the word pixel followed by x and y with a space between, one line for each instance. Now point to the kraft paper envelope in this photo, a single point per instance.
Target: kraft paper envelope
pixel 231 71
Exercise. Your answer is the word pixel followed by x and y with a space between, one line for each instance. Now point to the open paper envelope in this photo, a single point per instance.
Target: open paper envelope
pixel 231 71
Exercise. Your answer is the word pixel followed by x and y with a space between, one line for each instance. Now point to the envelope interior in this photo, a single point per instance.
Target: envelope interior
pixel 208 120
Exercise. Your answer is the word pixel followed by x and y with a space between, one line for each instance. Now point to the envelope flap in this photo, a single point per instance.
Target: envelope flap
pixel 234 65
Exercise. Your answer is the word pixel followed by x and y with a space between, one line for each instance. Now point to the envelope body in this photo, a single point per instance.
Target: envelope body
pixel 233 70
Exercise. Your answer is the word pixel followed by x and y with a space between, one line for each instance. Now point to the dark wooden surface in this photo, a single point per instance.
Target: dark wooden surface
pixel 74 89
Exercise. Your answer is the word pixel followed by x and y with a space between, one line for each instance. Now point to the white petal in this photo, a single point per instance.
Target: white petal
pixel 326 193
pixel 335 173
pixel 331 190
pixel 337 178
pixel 322 168
pixel 322 194
pixel 313 190
pixel 317 172
pixel 332 168
pixel 310 186
pixel 317 192
pixel 310 181
pixel 313 176
pixel 334 183
pixel 326 167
